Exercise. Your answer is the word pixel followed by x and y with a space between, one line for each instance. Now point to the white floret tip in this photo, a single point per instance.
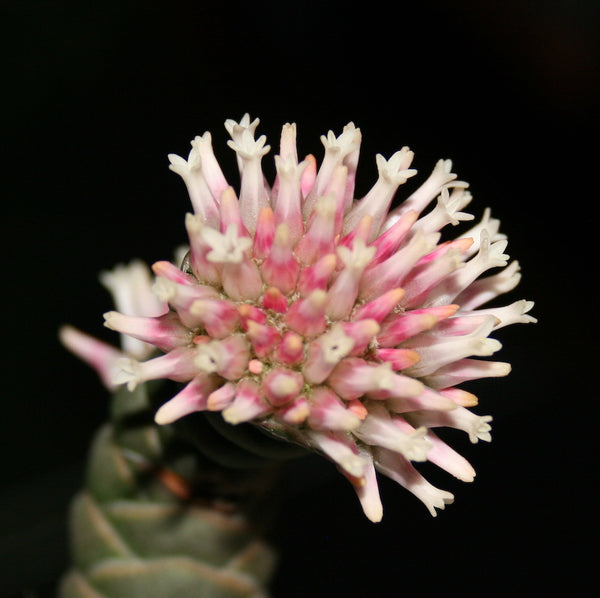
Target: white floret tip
pixel 225 248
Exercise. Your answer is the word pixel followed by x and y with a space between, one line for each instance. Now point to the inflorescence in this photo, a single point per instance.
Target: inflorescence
pixel 344 325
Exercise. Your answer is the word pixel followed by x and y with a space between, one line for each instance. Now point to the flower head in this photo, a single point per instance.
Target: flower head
pixel 344 325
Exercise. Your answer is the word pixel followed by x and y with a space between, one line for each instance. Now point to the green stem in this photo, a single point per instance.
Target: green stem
pixel 162 518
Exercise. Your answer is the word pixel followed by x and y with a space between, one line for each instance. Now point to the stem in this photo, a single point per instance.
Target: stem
pixel 163 517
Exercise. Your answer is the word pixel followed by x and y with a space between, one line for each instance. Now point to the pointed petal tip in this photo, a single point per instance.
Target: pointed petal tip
pixel 375 515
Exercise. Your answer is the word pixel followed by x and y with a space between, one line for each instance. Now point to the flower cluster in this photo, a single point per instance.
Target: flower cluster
pixel 344 325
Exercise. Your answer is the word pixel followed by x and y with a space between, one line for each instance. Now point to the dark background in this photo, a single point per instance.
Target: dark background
pixel 95 94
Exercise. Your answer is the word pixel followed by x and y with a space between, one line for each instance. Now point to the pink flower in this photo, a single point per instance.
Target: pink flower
pixel 345 325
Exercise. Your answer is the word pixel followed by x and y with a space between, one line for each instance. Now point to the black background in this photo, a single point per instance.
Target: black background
pixel 95 94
